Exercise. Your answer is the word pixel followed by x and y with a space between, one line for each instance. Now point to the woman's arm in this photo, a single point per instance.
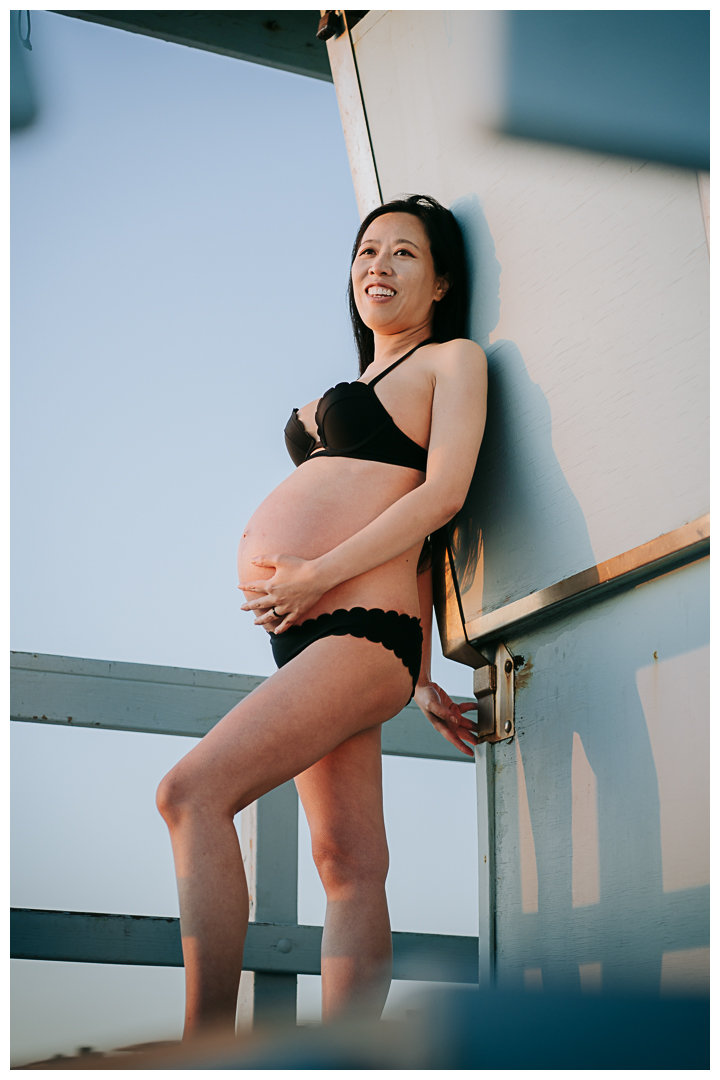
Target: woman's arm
pixel 443 713
pixel 425 596
pixel 458 422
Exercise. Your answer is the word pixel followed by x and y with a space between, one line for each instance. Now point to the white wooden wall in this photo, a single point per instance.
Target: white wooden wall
pixel 590 283
pixel 590 295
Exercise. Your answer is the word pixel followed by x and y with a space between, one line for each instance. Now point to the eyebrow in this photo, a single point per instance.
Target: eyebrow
pixel 400 241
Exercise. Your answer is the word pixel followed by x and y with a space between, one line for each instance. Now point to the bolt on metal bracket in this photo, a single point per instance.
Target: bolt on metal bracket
pixel 494 688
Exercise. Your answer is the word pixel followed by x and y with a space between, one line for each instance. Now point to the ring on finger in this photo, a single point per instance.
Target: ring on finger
pixel 275 612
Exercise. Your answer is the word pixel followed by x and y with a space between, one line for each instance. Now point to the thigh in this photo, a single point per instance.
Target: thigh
pixel 342 798
pixel 334 689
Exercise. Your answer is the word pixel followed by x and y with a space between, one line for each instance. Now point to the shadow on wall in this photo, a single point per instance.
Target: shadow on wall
pixel 582 856
pixel 602 799
pixel 521 528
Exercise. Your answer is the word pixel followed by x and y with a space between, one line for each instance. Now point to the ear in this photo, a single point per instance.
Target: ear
pixel 443 286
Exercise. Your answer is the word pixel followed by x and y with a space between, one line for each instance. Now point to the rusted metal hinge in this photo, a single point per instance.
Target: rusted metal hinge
pixel 494 688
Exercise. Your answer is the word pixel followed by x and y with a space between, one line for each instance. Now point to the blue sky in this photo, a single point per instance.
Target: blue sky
pixel 181 228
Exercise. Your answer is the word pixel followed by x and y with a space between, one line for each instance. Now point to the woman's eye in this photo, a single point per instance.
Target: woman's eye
pixel 366 251
pixel 404 251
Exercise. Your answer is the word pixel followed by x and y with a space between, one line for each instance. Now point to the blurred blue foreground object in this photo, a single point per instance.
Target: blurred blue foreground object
pixel 635 83
pixel 23 104
pixel 569 1032
pixel 471 1029
pixel 458 1029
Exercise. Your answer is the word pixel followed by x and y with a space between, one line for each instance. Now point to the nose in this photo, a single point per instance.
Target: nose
pixel 380 265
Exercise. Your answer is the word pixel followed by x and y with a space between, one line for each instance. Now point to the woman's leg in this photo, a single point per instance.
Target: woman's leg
pixel 334 689
pixel 342 797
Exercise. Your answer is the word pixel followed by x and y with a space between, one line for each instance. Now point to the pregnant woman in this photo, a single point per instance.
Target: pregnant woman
pixel 335 564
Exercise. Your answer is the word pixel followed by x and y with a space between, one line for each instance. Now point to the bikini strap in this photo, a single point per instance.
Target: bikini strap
pixel 393 366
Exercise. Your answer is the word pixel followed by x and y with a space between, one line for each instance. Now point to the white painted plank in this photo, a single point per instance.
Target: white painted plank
pixel 590 292
pixel 76 692
pixel 352 116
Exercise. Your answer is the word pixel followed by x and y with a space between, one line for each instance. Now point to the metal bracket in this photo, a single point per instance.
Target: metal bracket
pixel 331 23
pixel 494 688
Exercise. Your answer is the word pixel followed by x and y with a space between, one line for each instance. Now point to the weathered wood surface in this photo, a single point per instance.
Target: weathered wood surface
pixel 277 948
pixel 486 864
pixel 75 692
pixel 602 800
pixel 269 843
pixel 281 39
pixel 589 294
pixel 686 544
pixel 357 140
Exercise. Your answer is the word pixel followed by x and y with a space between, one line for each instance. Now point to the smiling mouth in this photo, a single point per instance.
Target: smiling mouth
pixel 379 290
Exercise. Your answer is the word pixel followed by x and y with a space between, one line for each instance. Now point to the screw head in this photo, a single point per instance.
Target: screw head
pixel 508 666
pixel 283 945
pixel 508 726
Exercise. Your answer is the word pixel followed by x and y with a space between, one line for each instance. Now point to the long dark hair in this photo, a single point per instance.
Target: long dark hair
pixel 451 313
pixel 448 254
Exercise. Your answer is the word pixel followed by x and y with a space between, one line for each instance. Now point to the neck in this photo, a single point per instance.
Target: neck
pixel 389 347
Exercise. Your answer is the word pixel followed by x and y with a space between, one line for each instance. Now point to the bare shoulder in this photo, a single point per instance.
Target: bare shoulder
pixel 460 357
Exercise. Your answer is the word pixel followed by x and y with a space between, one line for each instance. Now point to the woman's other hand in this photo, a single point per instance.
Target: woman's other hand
pixel 447 717
pixel 292 590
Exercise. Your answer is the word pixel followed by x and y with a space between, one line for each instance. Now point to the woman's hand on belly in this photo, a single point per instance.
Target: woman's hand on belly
pixel 294 588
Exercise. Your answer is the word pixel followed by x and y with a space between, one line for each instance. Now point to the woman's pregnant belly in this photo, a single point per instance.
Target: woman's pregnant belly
pixel 325 501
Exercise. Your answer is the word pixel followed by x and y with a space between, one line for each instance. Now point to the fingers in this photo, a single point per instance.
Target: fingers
pixel 450 709
pixel 470 737
pixel 458 743
pixel 278 623
pixel 267 614
pixel 263 602
pixel 448 717
pixel 467 729
pixel 468 722
pixel 441 710
pixel 456 738
pixel 444 714
pixel 443 706
pixel 254 586
pixel 452 714
pixel 266 560
pixel 266 617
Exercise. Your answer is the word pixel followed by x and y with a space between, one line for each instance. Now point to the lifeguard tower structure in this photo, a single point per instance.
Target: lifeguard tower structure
pixel 576 583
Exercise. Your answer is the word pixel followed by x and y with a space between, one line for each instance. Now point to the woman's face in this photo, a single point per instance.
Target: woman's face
pixel 393 276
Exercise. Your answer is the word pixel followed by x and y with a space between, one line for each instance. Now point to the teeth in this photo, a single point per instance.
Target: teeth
pixel 378 290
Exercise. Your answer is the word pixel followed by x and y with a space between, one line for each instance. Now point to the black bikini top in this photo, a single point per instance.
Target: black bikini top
pixel 352 422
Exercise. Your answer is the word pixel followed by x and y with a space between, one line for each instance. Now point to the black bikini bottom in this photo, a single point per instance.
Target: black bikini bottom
pixel 401 634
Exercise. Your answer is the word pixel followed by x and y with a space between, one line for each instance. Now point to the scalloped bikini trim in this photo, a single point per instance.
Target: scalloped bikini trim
pixel 392 629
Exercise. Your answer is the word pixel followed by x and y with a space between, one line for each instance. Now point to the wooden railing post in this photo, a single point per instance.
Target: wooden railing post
pixel 269 841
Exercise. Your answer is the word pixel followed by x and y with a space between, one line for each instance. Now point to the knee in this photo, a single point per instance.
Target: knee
pixel 345 868
pixel 176 796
